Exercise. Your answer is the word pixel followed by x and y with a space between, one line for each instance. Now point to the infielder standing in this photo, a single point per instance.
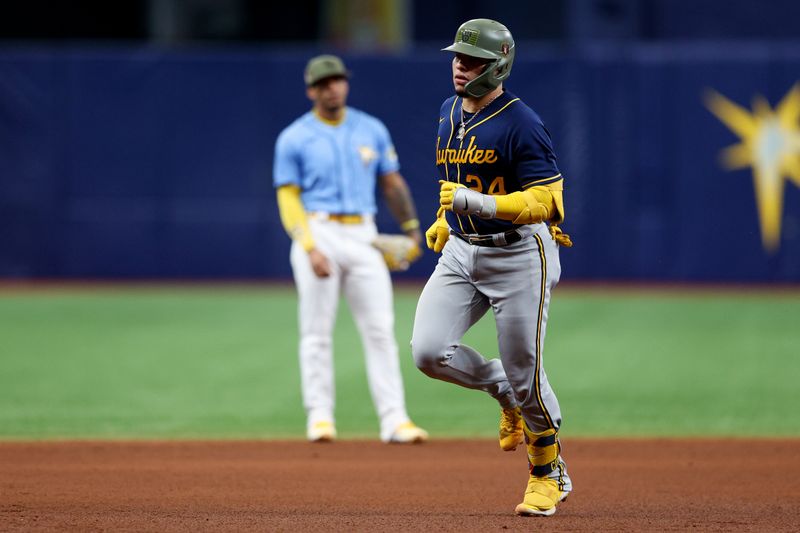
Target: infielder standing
pixel 500 186
pixel 327 165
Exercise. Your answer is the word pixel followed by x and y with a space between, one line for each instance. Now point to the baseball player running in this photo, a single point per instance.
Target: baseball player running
pixel 500 186
pixel 327 165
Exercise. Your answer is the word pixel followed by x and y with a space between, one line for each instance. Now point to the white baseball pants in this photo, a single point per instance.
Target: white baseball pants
pixel 360 274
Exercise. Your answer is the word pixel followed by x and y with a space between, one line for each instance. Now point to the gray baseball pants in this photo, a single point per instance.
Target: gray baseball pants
pixel 515 281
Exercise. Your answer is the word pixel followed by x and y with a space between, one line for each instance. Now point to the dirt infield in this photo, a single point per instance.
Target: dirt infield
pixel 635 485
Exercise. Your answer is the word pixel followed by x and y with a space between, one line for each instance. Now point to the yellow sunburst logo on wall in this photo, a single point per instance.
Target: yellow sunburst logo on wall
pixel 770 145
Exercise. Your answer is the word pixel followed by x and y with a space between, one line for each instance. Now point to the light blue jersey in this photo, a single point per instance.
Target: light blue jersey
pixel 336 167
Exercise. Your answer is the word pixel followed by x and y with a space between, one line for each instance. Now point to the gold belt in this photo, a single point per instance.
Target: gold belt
pixel 340 218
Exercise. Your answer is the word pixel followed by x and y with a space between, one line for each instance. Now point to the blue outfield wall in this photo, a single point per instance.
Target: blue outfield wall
pixel 141 163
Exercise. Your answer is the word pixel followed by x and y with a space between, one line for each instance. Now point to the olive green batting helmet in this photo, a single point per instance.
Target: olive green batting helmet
pixel 486 39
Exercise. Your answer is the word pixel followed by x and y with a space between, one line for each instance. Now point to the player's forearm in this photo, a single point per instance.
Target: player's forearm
pixel 293 216
pixel 401 204
pixel 537 204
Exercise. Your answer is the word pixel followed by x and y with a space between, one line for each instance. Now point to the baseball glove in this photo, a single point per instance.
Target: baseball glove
pixel 399 251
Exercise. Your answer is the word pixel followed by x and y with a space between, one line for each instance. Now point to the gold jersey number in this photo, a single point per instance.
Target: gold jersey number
pixel 498 185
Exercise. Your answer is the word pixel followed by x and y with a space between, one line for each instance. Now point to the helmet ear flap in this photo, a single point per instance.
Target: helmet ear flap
pixel 501 70
pixel 506 62
pixel 485 82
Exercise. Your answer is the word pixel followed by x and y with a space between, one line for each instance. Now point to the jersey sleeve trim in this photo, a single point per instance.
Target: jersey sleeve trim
pixel 543 181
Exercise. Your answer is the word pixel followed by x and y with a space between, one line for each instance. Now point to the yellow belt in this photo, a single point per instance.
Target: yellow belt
pixel 340 218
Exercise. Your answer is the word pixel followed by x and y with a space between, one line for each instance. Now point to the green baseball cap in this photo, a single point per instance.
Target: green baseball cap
pixel 324 66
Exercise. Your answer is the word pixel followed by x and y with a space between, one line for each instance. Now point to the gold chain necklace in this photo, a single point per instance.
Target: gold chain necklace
pixel 462 126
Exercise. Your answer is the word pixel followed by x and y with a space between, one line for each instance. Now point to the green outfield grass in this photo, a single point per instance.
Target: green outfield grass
pixel 220 362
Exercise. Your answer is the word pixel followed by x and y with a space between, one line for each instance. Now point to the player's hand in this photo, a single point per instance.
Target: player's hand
pixel 459 199
pixel 447 193
pixel 398 251
pixel 414 253
pixel 319 263
pixel 437 235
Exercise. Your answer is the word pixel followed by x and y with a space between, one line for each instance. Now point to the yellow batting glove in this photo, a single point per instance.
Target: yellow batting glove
pixel 436 236
pixel 446 193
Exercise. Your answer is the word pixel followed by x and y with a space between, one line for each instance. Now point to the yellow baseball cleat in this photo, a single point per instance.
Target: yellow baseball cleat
pixel 511 434
pixel 541 497
pixel 408 433
pixel 322 432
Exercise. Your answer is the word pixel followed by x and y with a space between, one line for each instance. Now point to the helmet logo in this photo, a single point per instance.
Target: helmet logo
pixel 504 48
pixel 470 36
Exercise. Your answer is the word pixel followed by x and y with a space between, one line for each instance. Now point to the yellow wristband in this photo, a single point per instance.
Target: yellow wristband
pixel 410 224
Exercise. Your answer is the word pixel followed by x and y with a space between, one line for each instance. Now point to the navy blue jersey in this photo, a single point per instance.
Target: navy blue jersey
pixel 506 148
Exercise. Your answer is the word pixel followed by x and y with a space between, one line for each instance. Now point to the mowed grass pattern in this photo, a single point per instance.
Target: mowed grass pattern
pixel 221 362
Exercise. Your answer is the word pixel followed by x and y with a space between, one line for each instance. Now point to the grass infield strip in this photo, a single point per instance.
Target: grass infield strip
pixel 220 361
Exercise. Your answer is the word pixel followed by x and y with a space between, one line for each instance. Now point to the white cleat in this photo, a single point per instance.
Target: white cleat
pixel 408 433
pixel 322 432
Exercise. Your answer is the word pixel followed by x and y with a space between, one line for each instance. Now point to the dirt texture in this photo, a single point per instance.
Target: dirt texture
pixel 469 485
